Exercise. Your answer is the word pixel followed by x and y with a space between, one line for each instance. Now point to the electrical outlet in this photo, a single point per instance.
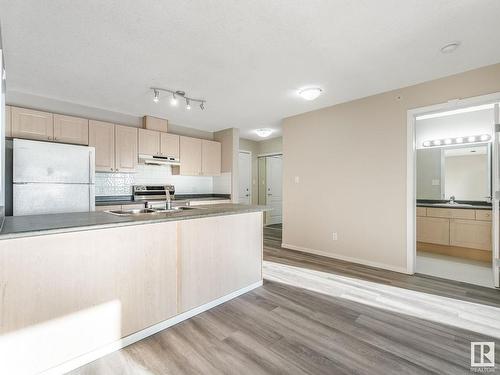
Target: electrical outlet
pixel 334 236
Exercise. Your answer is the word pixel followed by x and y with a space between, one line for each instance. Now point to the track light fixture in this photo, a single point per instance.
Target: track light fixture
pixel 177 93
pixel 156 98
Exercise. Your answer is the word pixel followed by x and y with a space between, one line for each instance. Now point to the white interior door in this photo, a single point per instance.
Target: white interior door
pixel 274 178
pixel 245 170
pixel 496 199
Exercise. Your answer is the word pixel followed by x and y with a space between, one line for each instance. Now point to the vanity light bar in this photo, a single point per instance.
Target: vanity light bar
pixel 457 140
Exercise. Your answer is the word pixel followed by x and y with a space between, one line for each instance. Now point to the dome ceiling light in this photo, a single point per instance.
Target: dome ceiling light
pixel 310 93
pixel 264 132
pixel 177 93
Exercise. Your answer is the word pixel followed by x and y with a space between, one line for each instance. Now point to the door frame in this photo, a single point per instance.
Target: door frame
pixel 250 198
pixel 411 166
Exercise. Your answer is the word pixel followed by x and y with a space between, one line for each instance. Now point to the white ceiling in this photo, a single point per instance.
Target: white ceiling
pixel 246 58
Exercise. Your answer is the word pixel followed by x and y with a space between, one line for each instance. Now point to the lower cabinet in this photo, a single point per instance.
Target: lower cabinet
pixel 470 233
pixel 433 230
pixel 220 258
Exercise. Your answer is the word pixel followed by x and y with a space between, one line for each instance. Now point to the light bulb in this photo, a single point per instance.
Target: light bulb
pixel 459 140
pixel 188 106
pixel 174 100
pixel 426 143
pixel 485 137
pixel 447 141
pixel 471 139
pixel 437 142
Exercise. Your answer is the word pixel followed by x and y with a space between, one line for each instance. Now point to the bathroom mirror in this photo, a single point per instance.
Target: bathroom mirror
pixel 463 172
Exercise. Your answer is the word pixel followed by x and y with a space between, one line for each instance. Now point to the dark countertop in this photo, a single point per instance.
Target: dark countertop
pixel 458 206
pixel 128 199
pixel 38 225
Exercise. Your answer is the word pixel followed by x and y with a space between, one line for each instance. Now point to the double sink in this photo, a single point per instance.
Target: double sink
pixel 150 211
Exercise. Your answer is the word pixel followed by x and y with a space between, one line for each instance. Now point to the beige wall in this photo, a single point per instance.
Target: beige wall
pixel 230 139
pixel 267 146
pixel 351 159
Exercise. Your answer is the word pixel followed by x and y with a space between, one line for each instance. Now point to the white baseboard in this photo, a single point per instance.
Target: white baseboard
pixel 345 258
pixel 117 345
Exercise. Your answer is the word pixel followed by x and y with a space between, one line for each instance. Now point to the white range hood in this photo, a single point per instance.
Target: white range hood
pixel 158 160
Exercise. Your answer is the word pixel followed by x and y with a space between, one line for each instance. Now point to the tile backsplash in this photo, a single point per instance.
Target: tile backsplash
pixel 121 183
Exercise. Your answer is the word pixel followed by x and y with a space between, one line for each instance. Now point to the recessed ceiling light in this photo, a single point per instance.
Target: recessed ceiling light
pixel 264 132
pixel 310 93
pixel 450 47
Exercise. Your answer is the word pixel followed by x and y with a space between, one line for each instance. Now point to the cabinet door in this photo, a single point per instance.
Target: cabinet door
pixel 421 211
pixel 433 230
pixel 471 233
pixel 68 129
pixel 484 215
pixel 125 148
pixel 30 124
pixel 190 155
pixel 8 121
pixel 149 142
pixel 108 208
pixel 210 158
pixel 169 145
pixel 102 137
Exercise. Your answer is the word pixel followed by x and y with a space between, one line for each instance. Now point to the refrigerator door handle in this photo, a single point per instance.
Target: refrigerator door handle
pixel 91 166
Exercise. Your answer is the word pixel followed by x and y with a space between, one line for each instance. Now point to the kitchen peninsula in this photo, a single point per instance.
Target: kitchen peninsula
pixel 86 284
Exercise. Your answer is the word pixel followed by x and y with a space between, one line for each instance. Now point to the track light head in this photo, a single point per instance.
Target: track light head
pixel 188 105
pixel 202 106
pixel 174 100
pixel 156 98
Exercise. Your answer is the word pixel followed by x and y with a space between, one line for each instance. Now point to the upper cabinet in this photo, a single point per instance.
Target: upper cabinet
pixel 125 148
pixel 115 146
pixel 31 124
pixel 190 156
pixel 70 129
pixel 149 142
pixel 102 137
pixel 8 121
pixel 199 157
pixel 210 158
pixel 169 145
pixel 155 123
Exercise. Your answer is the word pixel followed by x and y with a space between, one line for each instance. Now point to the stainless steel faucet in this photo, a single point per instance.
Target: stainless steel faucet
pixel 168 203
pixel 452 199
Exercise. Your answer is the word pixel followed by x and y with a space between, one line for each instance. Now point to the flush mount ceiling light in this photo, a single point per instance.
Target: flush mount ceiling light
pixel 264 132
pixel 310 93
pixel 177 93
pixel 457 141
pixel 450 47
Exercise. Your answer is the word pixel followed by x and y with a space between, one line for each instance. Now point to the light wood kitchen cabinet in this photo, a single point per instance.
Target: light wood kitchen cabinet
pixel 210 158
pixel 102 137
pixel 421 211
pixel 155 123
pixel 220 259
pixel 125 148
pixel 433 230
pixel 149 142
pixel 190 156
pixel 473 234
pixel 8 121
pixel 31 124
pixel 69 129
pixel 169 145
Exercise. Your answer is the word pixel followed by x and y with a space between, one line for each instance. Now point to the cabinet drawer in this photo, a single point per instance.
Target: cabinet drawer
pixel 452 213
pixel 484 215
pixel 470 233
pixel 433 230
pixel 421 211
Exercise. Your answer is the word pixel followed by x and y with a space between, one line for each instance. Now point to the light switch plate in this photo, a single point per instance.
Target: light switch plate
pixel 297 179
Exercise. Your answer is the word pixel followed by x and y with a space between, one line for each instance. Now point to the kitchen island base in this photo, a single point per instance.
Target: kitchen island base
pixel 69 298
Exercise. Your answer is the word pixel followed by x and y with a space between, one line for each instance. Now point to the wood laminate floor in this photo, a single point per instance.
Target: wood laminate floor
pixel 282 328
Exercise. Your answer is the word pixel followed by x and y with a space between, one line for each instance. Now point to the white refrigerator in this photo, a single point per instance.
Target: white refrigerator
pixel 51 178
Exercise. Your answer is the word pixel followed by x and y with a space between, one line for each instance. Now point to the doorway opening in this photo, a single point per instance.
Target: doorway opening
pixel 245 177
pixel 270 182
pixel 453 175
